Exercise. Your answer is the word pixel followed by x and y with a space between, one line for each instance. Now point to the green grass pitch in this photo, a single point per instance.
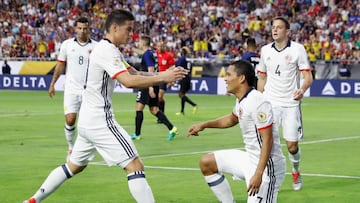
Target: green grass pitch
pixel 32 143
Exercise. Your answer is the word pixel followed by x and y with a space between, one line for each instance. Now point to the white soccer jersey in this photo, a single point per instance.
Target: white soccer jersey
pixel 254 113
pixel 283 71
pixel 96 109
pixel 76 56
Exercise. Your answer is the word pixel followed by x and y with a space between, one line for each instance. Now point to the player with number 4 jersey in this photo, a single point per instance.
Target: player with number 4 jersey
pixel 282 68
pixel 279 72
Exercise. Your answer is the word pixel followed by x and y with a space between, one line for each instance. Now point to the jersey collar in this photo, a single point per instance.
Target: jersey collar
pixel 287 45
pixel 106 39
pixel 247 93
pixel 76 40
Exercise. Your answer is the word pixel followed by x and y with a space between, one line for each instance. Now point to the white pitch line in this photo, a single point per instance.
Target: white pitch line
pixel 37 113
pixel 177 154
pixel 201 152
pixel 331 139
pixel 196 169
pixel 22 114
pixel 173 168
pixel 330 176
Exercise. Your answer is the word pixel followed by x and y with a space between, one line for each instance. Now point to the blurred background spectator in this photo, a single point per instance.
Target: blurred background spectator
pixel 212 29
pixel 6 69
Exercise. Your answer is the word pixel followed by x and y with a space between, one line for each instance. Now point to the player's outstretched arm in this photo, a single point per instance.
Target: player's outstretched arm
pixel 222 122
pixel 195 129
pixel 140 80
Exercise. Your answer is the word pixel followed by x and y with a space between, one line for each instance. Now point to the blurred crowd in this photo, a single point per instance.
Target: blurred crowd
pixel 212 29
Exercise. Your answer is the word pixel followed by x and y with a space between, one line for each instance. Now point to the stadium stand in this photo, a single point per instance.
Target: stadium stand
pixel 329 29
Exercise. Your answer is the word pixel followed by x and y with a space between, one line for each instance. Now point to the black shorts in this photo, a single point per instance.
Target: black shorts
pixel 185 86
pixel 144 97
pixel 163 86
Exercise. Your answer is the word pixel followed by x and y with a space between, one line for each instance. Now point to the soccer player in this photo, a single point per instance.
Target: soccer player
pixel 281 63
pixel 165 60
pixel 149 96
pixel 262 164
pixel 185 83
pixel 74 56
pixel 251 55
pixel 97 127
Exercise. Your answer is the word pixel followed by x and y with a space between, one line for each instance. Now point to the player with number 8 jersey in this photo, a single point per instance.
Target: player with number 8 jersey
pixel 76 55
pixel 73 59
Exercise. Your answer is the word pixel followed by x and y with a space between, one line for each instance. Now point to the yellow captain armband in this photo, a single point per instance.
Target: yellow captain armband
pixel 126 64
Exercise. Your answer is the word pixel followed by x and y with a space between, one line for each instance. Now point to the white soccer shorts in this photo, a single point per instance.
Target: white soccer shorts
pixel 112 143
pixel 241 167
pixel 290 120
pixel 72 103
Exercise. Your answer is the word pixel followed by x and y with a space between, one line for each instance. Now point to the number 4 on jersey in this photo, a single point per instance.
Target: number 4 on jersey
pixel 277 71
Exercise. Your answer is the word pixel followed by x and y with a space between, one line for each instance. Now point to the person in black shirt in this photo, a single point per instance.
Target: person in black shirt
pixel 6 69
pixel 150 96
pixel 185 83
pixel 252 55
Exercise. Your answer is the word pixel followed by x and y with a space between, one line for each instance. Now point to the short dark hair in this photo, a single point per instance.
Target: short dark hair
pixel 146 39
pixel 82 20
pixel 287 24
pixel 251 42
pixel 118 17
pixel 243 67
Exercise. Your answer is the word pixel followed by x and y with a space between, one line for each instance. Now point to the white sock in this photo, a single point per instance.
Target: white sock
pixel 53 181
pixel 139 187
pixel 295 160
pixel 220 187
pixel 69 135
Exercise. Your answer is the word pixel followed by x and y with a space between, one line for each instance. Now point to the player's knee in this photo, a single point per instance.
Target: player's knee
pixel 139 106
pixel 292 147
pixel 154 110
pixel 207 164
pixel 70 122
pixel 80 169
pixel 75 169
pixel 134 165
pixel 70 119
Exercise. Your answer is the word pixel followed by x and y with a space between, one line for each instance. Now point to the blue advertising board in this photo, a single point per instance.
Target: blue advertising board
pixel 207 85
pixel 25 82
pixel 335 88
pixel 203 85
